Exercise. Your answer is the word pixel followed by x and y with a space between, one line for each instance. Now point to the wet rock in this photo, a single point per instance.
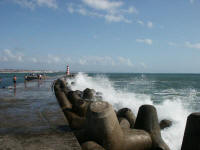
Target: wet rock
pixel 101 116
pixel 75 121
pixel 72 105
pixel 80 93
pixel 79 105
pixel 192 133
pixel 88 94
pixel 98 98
pixel 62 85
pixel 147 120
pixel 61 97
pixel 123 122
pixel 90 145
pixel 137 140
pixel 165 124
pixel 128 114
pixel 99 93
pixel 73 96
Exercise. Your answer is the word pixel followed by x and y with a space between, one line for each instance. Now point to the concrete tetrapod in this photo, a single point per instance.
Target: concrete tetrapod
pixel 147 120
pixel 63 85
pixel 102 126
pixel 61 97
pixel 90 145
pixel 165 123
pixel 128 114
pixel 123 122
pixel 192 133
pixel 136 139
pixel 88 94
pixel 75 121
pixel 79 105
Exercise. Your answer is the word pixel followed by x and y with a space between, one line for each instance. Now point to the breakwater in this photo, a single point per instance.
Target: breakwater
pixel 92 122
pixel 96 123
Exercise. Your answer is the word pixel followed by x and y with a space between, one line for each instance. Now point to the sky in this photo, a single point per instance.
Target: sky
pixel 146 36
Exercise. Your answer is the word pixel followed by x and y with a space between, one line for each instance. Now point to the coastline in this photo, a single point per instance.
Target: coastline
pixel 31 119
pixel 25 71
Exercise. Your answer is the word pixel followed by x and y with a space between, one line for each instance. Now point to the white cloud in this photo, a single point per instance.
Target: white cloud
pixel 125 61
pixel 116 18
pixel 8 55
pixel 48 3
pixel 82 61
pixel 53 59
pixel 145 41
pixel 8 58
pixel 82 11
pixel 190 45
pixel 34 60
pixel 104 61
pixel 149 24
pixel 140 22
pixel 103 4
pixel 34 3
pixel 143 65
pixel 131 10
pixel 50 59
pixel 70 8
pixel 172 44
pixel 111 11
pixel 96 60
pixel 25 3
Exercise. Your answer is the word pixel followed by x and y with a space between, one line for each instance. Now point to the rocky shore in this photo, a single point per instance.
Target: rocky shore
pixel 98 126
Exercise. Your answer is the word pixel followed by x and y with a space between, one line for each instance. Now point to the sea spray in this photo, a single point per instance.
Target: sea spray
pixel 173 109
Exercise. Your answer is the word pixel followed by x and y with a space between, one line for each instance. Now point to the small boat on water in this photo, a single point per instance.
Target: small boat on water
pixel 29 78
pixel 34 76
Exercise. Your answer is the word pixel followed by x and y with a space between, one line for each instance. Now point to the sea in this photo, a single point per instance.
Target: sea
pixel 175 96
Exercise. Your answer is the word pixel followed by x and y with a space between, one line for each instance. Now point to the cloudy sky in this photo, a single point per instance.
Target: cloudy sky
pixel 156 36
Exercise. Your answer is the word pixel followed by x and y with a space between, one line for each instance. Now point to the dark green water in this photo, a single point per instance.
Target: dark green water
pixel 159 86
pixel 175 96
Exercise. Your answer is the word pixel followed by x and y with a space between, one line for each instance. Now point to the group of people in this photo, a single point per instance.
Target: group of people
pixel 38 76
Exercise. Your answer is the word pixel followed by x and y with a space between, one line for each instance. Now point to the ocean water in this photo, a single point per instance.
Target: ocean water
pixel 7 78
pixel 175 96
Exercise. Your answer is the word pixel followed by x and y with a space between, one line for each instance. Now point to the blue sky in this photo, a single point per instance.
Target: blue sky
pixel 155 36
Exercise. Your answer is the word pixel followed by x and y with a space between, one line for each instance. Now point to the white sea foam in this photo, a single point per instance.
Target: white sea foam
pixel 173 109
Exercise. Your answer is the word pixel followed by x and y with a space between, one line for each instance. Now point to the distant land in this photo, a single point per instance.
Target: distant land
pixel 24 71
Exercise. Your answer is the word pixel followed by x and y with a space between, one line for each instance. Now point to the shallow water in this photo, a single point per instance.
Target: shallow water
pixel 29 107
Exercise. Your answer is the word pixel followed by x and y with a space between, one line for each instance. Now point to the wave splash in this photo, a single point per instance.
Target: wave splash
pixel 173 110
